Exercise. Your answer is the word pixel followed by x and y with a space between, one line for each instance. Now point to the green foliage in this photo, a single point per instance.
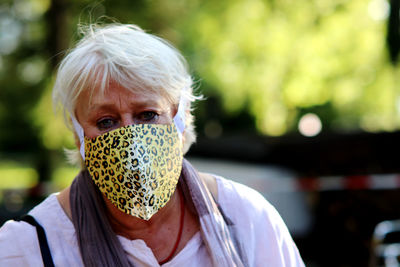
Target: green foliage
pixel 63 176
pixel 290 55
pixel 17 176
pixel 52 127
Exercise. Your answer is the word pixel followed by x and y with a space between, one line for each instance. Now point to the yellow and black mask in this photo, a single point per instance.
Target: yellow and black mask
pixel 136 167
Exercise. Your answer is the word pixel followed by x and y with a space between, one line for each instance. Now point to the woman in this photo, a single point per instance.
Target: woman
pixel 137 202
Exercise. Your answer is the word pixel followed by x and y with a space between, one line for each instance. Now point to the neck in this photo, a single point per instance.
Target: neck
pixel 157 231
pixel 134 228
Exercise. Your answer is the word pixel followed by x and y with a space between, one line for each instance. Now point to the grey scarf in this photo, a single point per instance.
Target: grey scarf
pixel 99 246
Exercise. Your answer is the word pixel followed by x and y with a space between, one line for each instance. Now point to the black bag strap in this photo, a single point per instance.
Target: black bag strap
pixel 44 246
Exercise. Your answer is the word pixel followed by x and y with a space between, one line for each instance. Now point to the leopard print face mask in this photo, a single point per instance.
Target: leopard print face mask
pixel 136 167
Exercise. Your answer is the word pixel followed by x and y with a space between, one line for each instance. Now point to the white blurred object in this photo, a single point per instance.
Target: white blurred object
pixel 385 252
pixel 378 10
pixel 277 185
pixel 310 125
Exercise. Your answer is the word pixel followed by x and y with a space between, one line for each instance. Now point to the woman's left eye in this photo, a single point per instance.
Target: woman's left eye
pixel 147 116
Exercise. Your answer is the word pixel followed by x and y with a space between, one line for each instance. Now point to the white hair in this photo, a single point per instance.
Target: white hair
pixel 136 60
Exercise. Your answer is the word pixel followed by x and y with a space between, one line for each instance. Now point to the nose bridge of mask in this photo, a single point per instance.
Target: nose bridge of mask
pixel 179 121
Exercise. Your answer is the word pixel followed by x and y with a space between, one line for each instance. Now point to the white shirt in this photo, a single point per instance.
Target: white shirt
pixel 266 238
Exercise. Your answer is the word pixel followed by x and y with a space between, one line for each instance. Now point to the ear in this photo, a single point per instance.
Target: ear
pixel 77 128
pixel 77 141
pixel 76 137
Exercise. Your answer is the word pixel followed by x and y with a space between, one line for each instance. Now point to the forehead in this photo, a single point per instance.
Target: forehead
pixel 116 95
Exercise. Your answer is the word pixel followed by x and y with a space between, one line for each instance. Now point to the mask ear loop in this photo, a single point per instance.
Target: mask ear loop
pixel 180 115
pixel 80 133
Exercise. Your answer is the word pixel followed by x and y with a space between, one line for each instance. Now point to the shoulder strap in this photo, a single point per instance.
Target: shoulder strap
pixel 44 246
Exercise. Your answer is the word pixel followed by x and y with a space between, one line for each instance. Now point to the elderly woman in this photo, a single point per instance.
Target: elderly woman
pixel 137 201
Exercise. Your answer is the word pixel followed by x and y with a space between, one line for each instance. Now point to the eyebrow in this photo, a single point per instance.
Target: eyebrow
pixel 112 106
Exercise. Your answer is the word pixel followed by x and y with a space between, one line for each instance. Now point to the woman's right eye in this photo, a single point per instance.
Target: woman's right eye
pixel 105 124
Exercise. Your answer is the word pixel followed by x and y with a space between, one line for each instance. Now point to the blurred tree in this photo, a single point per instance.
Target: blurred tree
pixel 285 56
pixel 393 32
pixel 23 75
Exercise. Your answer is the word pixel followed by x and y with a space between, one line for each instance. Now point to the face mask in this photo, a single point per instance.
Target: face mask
pixel 136 167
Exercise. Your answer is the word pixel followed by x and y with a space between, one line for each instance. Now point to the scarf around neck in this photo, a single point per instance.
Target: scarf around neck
pixel 99 245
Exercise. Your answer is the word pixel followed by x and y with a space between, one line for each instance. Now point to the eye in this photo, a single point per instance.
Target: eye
pixel 104 124
pixel 147 116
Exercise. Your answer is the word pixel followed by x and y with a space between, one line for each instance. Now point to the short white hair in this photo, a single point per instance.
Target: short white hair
pixel 136 60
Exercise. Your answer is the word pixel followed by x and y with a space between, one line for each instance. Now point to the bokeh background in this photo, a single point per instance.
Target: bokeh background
pixel 302 103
